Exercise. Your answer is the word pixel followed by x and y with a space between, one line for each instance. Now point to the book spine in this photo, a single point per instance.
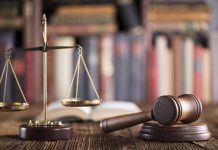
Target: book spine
pixel 90 47
pixel 178 7
pixel 82 19
pixel 138 65
pixel 106 47
pixel 63 70
pixel 152 74
pixel 188 65
pixel 79 2
pixel 198 71
pixel 14 22
pixel 206 75
pixel 37 40
pixel 82 29
pixel 214 64
pixel 186 16
pixel 28 56
pixel 179 26
pixel 6 42
pixel 177 53
pixel 122 70
pixel 9 8
pixel 92 50
pixel 214 14
pixel 107 9
pixel 144 12
pixel 163 66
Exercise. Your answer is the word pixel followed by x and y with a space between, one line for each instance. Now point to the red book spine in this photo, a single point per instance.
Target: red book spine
pixel 152 74
pixel 198 71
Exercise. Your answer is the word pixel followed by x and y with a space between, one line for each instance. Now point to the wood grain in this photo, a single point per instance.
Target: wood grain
pixel 86 135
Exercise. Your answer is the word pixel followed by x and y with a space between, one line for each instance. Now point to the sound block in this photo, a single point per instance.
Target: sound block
pixel 175 133
pixel 44 133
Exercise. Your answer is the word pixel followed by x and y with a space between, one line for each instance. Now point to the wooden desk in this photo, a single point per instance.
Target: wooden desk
pixel 88 136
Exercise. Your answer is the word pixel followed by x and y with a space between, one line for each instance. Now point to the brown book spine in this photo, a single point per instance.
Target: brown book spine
pixel 176 16
pixel 86 9
pixel 83 19
pixel 14 22
pixel 177 53
pixel 28 56
pixel 81 29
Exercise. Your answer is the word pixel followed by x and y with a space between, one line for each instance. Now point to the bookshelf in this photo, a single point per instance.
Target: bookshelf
pixel 156 52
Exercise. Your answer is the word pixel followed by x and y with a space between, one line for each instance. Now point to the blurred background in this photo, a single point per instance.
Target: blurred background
pixel 136 50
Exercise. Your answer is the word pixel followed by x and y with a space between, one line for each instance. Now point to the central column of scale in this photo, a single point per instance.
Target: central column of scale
pixel 45 97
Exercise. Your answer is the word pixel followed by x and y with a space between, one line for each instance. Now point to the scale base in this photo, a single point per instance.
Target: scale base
pixel 175 133
pixel 44 133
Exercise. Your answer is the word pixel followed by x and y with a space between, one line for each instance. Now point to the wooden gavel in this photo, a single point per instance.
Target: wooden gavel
pixel 167 110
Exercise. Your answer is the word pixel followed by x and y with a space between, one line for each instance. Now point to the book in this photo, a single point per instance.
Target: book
pixel 33 61
pixel 214 14
pixel 28 56
pixel 106 70
pixel 206 75
pixel 188 65
pixel 176 41
pixel 152 74
pixel 163 66
pixel 198 52
pixel 53 3
pixel 138 64
pixel 122 70
pixel 82 19
pixel 56 111
pixel 178 6
pixel 179 26
pixel 63 66
pixel 91 55
pixel 81 29
pixel 7 41
pixel 177 11
pixel 84 14
pixel 10 23
pixel 214 64
pixel 108 9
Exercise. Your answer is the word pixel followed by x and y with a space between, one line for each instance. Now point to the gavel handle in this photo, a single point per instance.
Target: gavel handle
pixel 125 121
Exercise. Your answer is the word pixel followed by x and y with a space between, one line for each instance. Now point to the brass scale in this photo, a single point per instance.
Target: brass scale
pixel 45 129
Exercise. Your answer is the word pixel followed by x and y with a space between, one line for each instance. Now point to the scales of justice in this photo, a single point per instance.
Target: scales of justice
pixel 46 129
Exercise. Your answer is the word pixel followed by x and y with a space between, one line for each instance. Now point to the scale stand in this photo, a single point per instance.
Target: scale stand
pixel 45 129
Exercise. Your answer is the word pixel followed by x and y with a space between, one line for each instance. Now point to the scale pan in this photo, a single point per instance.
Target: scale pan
pixel 13 106
pixel 80 102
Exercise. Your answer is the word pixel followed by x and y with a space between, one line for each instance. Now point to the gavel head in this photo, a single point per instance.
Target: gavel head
pixel 168 110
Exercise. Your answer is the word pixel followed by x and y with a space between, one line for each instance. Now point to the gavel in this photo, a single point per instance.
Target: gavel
pixel 167 110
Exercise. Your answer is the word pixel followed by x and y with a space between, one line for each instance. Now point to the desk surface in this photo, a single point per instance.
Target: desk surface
pixel 88 136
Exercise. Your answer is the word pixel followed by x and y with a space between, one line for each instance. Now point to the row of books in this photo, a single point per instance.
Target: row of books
pixel 170 16
pixel 10 14
pixel 180 64
pixel 121 67
pixel 83 19
pixel 116 63
pixel 9 90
